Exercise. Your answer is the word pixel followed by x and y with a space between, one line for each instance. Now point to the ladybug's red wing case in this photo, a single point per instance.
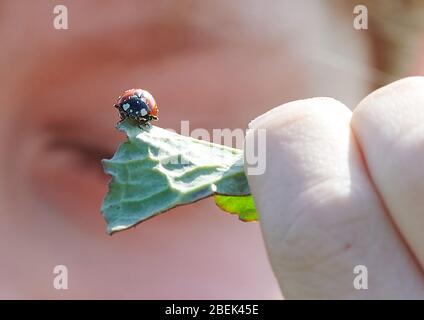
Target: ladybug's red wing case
pixel 152 103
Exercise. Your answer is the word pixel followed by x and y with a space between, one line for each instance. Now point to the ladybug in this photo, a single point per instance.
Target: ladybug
pixel 137 104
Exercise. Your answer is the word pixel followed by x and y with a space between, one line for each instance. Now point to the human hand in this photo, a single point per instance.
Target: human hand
pixel 342 189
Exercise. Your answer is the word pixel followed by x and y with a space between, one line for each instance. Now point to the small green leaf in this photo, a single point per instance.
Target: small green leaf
pixel 156 170
pixel 241 205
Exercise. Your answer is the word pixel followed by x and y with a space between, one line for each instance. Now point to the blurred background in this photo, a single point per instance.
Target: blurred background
pixel 217 64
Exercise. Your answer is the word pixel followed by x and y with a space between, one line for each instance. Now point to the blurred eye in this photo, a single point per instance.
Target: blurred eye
pixel 81 154
pixel 66 172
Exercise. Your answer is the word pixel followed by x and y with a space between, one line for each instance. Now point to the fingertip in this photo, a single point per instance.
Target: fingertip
pixel 388 125
pixel 385 99
pixel 272 117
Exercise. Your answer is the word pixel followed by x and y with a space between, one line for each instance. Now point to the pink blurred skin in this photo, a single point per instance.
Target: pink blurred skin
pixel 57 93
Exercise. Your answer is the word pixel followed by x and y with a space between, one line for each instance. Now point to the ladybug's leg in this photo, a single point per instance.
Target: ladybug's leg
pixel 142 122
pixel 122 115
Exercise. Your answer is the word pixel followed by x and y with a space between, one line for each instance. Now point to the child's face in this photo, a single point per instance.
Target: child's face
pixel 211 63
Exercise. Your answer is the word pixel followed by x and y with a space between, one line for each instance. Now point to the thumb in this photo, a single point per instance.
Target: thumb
pixel 319 213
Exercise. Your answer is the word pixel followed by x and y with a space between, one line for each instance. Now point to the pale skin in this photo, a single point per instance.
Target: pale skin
pixel 57 93
pixel 345 188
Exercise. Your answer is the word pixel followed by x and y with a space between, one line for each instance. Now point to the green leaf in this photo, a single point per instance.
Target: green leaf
pixel 244 206
pixel 156 170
